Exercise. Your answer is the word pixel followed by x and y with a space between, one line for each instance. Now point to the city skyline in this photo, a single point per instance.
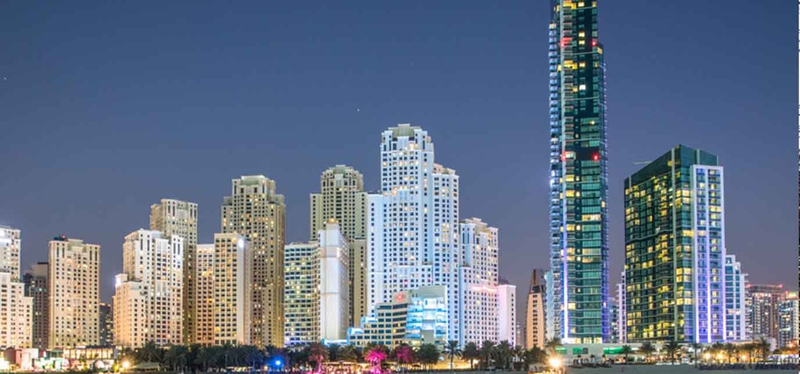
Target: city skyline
pixel 92 214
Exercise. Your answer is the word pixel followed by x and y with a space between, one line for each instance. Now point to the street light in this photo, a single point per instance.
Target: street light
pixel 126 364
pixel 555 363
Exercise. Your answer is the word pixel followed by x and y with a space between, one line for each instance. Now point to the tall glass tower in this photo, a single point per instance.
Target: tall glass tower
pixel 578 176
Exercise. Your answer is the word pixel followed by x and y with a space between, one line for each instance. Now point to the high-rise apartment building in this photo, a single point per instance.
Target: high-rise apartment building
pixel 763 310
pixel 478 304
pixel 106 324
pixel 621 322
pixel 358 280
pixel 232 288
pixel 36 285
pixel 175 217
pixel 16 305
pixel 412 238
pixel 15 313
pixel 74 293
pixel 334 291
pixel 506 313
pixel 675 249
pixel 10 246
pixel 342 198
pixel 204 292
pixel 789 315
pixel 302 295
pixel 317 292
pixel 578 174
pixel 735 296
pixel 256 211
pixel 148 300
pixel 535 311
pixel 486 306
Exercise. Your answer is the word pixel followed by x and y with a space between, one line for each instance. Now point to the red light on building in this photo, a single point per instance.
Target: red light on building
pixel 594 42
pixel 565 41
pixel 596 157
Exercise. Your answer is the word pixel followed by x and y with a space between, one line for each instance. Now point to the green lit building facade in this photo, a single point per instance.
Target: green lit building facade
pixel 578 176
pixel 675 249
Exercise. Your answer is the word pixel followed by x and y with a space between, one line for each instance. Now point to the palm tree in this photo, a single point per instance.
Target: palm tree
pixel 452 350
pixel 626 350
pixel 696 349
pixel 318 353
pixel 376 355
pixel 348 353
pixel 730 351
pixel 471 353
pixel 487 351
pixel 254 357
pixel 534 355
pixel 671 348
pixel 175 357
pixel 504 353
pixel 552 345
pixel 428 355
pixel 403 354
pixel 150 352
pixel 517 354
pixel 205 358
pixel 763 346
pixel 647 349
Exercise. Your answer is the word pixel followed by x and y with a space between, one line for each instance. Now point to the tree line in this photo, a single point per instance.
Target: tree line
pixel 198 358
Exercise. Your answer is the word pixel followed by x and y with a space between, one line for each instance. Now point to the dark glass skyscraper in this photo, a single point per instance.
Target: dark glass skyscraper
pixel 578 176
pixel 675 249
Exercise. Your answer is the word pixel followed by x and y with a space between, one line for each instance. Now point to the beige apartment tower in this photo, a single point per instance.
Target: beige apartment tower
pixel 343 199
pixel 10 245
pixel 232 285
pixel 204 288
pixel 148 301
pixel 256 211
pixel 74 293
pixel 534 311
pixel 176 217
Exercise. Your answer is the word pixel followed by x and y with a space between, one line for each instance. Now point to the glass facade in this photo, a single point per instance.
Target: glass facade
pixel 578 175
pixel 674 249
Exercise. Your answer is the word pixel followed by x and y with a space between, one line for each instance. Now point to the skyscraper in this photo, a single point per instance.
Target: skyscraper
pixel 74 292
pixel 343 199
pixel 204 291
pixel 622 313
pixel 175 217
pixel 789 314
pixel 302 294
pixel 578 175
pixel 232 287
pixel 334 292
pixel 478 278
pixel 735 295
pixel 317 292
pixel 15 313
pixel 675 249
pixel 35 281
pixel 106 324
pixel 16 305
pixel 534 311
pixel 256 211
pixel 10 246
pixel 148 298
pixel 763 310
pixel 412 225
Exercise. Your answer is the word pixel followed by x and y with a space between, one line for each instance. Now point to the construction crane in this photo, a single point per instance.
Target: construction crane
pixel 641 162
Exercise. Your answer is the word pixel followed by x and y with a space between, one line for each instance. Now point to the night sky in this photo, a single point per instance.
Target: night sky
pixel 105 108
